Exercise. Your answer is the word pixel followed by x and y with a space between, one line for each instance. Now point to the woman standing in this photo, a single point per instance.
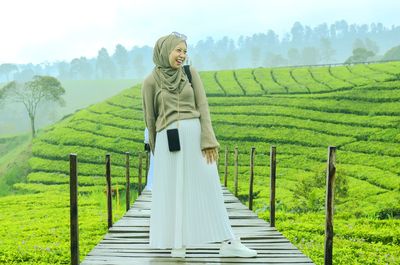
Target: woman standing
pixel 187 204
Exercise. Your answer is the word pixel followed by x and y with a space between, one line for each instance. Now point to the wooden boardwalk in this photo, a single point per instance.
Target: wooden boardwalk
pixel 128 239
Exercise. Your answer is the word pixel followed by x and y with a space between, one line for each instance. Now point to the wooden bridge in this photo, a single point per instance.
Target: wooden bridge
pixel 128 239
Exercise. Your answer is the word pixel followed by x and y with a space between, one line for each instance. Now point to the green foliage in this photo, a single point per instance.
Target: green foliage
pixel 360 55
pixel 392 54
pixel 310 191
pixel 300 110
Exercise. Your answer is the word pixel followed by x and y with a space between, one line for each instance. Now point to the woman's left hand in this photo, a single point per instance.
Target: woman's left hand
pixel 211 154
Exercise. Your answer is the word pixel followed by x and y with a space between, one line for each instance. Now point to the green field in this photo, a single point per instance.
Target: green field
pixel 78 94
pixel 299 110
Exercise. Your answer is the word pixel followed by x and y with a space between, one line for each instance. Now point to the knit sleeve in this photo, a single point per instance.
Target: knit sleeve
pixel 208 139
pixel 149 112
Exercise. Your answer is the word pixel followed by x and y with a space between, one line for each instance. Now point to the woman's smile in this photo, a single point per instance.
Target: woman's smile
pixel 178 55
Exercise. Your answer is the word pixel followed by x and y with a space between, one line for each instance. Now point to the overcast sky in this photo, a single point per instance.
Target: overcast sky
pixel 50 30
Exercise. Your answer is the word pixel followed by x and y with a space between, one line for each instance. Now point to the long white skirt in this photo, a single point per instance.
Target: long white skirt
pixel 149 178
pixel 187 203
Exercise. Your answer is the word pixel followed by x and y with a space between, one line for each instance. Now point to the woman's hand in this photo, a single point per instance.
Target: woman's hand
pixel 211 154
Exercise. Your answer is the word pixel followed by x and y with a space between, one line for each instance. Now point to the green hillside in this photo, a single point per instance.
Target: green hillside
pixel 300 110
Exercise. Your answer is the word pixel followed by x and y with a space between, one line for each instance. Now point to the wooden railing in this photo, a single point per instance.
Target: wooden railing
pixel 330 179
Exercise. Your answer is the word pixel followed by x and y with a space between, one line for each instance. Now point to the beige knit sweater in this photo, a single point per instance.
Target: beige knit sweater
pixel 160 108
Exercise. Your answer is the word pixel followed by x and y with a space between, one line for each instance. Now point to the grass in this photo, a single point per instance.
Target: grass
pixel 349 110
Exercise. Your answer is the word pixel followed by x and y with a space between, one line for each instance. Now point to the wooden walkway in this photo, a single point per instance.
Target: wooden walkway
pixel 128 239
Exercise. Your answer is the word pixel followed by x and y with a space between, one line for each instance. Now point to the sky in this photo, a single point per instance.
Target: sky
pixel 55 30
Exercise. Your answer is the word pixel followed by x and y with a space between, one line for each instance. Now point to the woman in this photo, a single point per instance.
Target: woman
pixel 187 204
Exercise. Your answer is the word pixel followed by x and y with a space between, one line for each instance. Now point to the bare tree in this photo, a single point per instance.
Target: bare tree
pixel 32 93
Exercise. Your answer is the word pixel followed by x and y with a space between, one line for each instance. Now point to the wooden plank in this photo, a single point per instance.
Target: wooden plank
pixel 164 259
pixel 127 241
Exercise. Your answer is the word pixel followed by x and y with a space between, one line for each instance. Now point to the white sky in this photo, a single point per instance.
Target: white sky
pixel 48 30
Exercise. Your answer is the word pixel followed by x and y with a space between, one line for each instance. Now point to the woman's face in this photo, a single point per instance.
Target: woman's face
pixel 178 55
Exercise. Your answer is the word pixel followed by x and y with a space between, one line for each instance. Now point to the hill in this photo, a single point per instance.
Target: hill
pixel 78 94
pixel 301 110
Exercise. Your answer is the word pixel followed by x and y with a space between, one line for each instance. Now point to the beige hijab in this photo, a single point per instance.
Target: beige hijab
pixel 174 80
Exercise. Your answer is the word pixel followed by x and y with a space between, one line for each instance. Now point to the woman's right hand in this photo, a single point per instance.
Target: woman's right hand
pixel 211 155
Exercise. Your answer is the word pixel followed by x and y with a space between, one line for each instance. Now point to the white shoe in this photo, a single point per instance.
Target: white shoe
pixel 234 248
pixel 178 252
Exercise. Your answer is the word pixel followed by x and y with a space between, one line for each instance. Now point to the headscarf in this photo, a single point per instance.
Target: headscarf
pixel 174 80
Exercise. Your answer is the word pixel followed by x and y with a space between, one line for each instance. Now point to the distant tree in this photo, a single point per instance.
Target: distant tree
pixel 358 43
pixel 86 68
pixel 255 56
pixel 392 54
pixel 294 56
pixel 310 55
pixel 80 69
pixel 24 75
pixel 297 33
pixel 64 70
pixel 6 69
pixel 105 67
pixel 138 65
pixel 75 70
pixel 371 45
pixel 342 28
pixel 120 56
pixel 32 93
pixel 327 52
pixel 273 60
pixel 321 32
pixel 360 55
pixel 230 58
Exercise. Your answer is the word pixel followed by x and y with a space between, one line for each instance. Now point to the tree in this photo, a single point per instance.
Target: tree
pixel 80 69
pixel 105 67
pixel 6 69
pixel 33 93
pixel 63 70
pixel 371 45
pixel 294 56
pixel 327 52
pixel 310 55
pixel 360 55
pixel 121 58
pixel 392 54
pixel 297 33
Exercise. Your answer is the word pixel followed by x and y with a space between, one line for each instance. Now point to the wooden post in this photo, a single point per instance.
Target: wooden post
pixel 330 184
pixel 236 171
pixel 140 174
pixel 226 167
pixel 109 195
pixel 272 186
pixel 147 165
pixel 73 197
pixel 128 183
pixel 253 149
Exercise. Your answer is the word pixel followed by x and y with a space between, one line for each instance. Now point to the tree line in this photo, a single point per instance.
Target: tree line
pixel 303 45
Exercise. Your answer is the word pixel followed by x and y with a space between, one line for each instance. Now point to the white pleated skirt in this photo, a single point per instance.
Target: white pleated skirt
pixel 187 206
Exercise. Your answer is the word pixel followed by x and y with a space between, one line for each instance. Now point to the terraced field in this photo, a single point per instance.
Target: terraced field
pixel 300 110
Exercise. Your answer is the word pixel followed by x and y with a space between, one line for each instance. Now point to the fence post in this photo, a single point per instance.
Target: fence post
pixel 330 184
pixel 140 174
pixel 236 171
pixel 251 177
pixel 147 165
pixel 272 186
pixel 73 197
pixel 128 183
pixel 109 195
pixel 226 167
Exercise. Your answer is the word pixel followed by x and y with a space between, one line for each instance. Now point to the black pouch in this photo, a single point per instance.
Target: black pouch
pixel 173 140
